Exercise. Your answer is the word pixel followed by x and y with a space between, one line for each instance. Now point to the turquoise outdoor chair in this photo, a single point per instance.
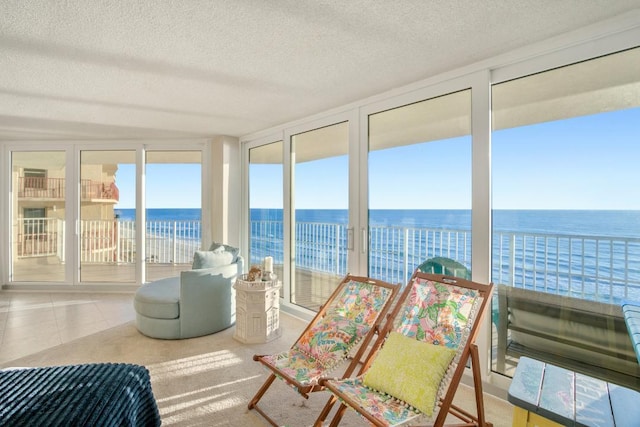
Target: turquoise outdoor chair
pixel 445 266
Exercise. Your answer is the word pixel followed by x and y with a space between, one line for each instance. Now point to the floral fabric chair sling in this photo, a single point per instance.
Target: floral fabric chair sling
pixel 337 336
pixel 416 364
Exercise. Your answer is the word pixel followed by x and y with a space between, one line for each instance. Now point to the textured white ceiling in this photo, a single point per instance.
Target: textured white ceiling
pixel 100 69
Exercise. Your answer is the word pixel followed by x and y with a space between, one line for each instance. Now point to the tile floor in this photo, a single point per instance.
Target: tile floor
pixel 34 321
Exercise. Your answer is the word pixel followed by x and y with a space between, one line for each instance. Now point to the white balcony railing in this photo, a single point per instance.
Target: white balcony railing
pixel 110 241
pixel 36 237
pixel 601 268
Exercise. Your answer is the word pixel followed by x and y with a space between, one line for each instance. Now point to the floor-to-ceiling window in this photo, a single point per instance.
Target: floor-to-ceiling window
pixel 173 230
pixel 419 180
pixel 540 151
pixel 78 225
pixel 107 237
pixel 320 203
pixel 38 209
pixel 566 209
pixel 266 221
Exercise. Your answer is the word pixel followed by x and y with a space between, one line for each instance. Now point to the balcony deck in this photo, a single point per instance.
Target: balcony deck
pixel 312 288
pixel 48 269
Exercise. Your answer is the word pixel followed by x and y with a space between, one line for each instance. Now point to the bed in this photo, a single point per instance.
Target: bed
pixel 101 394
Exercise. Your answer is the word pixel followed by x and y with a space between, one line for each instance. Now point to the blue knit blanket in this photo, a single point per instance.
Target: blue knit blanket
pixel 104 394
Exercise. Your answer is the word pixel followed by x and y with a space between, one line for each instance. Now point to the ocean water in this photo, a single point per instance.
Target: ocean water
pixel 574 222
pixel 570 222
pixel 589 254
pixel 160 214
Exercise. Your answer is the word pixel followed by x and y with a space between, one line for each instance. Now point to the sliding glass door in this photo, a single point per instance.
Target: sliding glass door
pixel 415 198
pixel 38 209
pixel 320 211
pixel 107 231
pixel 266 203
pixel 79 224
pixel 419 180
pixel 566 214
pixel 173 229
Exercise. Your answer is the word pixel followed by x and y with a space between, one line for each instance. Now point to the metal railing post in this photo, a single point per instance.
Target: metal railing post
pixel 175 242
pixel 118 248
pixel 60 240
pixel 406 254
pixel 512 258
pixel 337 239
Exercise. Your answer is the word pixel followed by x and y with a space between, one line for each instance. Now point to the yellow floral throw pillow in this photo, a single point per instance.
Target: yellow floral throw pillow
pixel 409 370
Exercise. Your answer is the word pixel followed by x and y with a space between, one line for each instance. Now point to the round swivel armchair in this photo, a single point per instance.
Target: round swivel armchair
pixel 199 302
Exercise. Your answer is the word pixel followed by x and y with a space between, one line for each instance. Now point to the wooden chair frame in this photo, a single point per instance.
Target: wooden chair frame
pixel 311 385
pixel 468 352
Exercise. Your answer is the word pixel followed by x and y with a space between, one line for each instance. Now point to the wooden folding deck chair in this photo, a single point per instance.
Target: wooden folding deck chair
pixel 337 336
pixel 415 366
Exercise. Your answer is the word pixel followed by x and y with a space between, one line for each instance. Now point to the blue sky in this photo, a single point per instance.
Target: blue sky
pixel 589 162
pixel 168 186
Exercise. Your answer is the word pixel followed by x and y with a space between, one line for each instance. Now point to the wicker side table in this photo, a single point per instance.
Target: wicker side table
pixel 257 310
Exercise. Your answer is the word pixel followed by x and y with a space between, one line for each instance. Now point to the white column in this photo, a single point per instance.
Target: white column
pixel 225 192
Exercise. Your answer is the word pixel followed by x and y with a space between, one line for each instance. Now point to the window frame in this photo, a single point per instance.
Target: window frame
pixel 602 39
pixel 72 151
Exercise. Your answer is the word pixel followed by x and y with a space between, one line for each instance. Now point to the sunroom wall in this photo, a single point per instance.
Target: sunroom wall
pixel 590 42
pixel 220 199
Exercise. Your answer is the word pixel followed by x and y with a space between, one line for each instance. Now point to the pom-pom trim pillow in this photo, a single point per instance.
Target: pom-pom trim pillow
pixel 409 370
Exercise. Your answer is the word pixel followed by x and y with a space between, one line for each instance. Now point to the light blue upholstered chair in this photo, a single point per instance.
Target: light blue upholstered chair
pixel 199 302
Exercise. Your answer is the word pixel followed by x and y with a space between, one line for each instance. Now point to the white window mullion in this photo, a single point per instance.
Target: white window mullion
pixel 141 215
pixel 361 231
pixel 72 216
pixel 287 223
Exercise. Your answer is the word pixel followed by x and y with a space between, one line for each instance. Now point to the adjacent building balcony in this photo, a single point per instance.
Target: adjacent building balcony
pixel 41 188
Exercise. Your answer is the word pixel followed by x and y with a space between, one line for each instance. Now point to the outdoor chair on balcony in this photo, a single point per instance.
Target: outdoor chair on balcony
pixel 334 342
pixel 446 267
pixel 416 364
pixel 200 301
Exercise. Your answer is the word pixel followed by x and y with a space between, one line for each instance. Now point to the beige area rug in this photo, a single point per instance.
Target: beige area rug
pixel 208 381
